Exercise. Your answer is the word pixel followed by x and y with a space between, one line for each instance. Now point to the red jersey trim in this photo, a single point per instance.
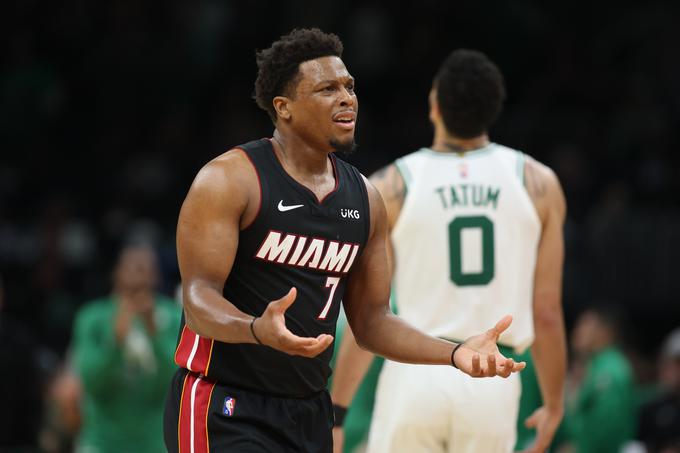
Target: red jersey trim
pixel 193 417
pixel 194 351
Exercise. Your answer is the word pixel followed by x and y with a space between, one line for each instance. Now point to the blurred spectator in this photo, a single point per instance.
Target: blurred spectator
pixel 659 424
pixel 123 350
pixel 22 384
pixel 599 416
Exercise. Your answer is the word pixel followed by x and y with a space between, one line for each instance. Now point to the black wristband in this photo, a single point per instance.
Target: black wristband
pixel 453 363
pixel 252 330
pixel 339 413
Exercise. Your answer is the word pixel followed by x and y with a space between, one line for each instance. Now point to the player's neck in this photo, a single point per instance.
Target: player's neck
pixel 299 157
pixel 447 143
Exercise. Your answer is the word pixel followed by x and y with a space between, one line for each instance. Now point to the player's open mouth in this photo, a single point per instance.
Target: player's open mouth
pixel 348 125
pixel 345 120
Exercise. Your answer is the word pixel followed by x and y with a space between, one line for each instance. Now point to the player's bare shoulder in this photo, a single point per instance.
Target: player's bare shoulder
pixel 544 188
pixel 389 182
pixel 228 183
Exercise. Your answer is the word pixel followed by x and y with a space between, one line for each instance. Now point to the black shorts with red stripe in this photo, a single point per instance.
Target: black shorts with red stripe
pixel 204 416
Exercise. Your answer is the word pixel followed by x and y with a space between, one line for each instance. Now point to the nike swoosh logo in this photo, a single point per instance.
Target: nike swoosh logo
pixel 283 208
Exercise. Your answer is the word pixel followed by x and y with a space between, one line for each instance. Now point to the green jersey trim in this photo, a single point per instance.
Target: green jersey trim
pixel 521 158
pixel 471 153
pixel 403 170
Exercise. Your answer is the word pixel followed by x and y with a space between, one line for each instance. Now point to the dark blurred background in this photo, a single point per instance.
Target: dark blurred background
pixel 108 109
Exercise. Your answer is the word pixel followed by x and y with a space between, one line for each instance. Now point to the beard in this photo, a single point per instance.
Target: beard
pixel 345 148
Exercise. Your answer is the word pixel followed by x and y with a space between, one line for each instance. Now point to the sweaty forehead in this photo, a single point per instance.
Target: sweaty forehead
pixel 320 69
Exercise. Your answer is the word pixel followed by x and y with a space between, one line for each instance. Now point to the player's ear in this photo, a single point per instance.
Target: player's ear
pixel 282 107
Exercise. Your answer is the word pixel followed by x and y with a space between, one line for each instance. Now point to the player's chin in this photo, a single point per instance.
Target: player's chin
pixel 344 144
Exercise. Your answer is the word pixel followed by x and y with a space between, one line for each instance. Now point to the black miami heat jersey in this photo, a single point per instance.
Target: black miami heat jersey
pixel 295 240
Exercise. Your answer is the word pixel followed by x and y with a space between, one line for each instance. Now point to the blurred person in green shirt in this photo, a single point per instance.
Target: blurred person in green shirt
pixel 600 411
pixel 123 354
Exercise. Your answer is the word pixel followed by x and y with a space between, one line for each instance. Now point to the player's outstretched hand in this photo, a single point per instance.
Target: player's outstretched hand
pixel 479 355
pixel 271 330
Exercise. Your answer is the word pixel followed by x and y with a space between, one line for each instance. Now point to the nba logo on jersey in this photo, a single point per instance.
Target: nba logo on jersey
pixel 229 406
pixel 463 169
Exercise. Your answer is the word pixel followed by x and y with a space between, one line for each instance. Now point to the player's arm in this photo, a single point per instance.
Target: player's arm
pixel 549 347
pixel 350 369
pixel 376 329
pixel 353 362
pixel 219 203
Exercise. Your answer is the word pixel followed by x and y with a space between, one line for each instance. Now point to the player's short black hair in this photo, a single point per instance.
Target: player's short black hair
pixel 470 92
pixel 278 66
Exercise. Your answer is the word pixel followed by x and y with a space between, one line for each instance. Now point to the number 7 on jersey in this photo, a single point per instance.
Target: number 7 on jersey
pixel 332 283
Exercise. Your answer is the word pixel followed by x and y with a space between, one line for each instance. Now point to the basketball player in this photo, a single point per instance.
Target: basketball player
pixel 271 237
pixel 476 230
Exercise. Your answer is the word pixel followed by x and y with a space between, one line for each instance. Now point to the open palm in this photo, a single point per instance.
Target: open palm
pixel 270 329
pixel 479 355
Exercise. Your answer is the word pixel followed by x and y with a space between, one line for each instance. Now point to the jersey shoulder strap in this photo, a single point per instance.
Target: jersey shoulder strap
pixel 514 158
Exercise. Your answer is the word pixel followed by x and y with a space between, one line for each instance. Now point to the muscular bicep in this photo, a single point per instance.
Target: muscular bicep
pixel 208 228
pixel 368 286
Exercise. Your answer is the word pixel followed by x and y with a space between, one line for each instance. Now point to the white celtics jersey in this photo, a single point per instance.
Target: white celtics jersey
pixel 465 244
